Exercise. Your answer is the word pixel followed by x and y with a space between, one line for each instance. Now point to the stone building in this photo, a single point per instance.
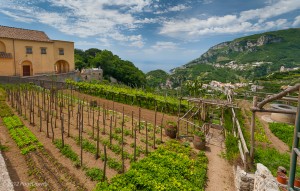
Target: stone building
pixel 26 52
pixel 91 74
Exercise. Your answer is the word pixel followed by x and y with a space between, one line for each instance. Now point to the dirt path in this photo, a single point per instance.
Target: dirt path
pixel 220 172
pixel 275 141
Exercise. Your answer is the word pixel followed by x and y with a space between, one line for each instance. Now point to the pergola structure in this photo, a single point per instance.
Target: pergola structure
pixel 200 108
pixel 259 107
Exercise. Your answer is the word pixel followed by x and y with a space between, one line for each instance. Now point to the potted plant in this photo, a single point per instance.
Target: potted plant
pixel 297 181
pixel 199 140
pixel 281 178
pixel 171 129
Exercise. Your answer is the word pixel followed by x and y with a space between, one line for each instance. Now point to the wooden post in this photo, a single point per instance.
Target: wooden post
pixel 47 124
pixel 253 130
pixel 161 126
pixel 69 118
pixel 81 138
pixel 62 129
pixel 93 122
pixel 52 130
pixel 88 111
pixel 104 126
pixel 139 120
pixel 33 97
pixel 154 128
pixel 41 118
pixel 104 168
pixel 116 119
pixel 123 164
pixel 132 123
pixel 178 120
pixel 98 129
pixel 134 153
pixel 103 113
pixel 146 138
pixel 110 130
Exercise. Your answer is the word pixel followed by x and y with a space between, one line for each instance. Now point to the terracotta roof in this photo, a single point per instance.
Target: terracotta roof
pixel 23 34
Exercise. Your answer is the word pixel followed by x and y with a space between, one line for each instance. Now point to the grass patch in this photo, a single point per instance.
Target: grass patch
pixel 284 132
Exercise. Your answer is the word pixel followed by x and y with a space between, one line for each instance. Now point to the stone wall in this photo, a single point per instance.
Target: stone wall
pixel 262 180
pixel 56 77
pixel 243 181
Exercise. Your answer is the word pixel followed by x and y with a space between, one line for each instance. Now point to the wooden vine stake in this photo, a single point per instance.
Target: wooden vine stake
pixel 139 120
pixel 103 119
pixel 132 127
pixel 104 168
pixel 81 130
pixel 47 124
pixel 62 130
pixel 154 129
pixel 93 126
pixel 110 130
pixel 104 126
pixel 98 129
pixel 134 153
pixel 41 118
pixel 33 97
pixel 116 119
pixel 161 126
pixel 69 117
pixel 52 129
pixel 88 112
pixel 146 138
pixel 123 164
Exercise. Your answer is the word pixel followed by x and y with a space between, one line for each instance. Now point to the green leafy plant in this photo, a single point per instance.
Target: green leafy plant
pixel 200 134
pixel 95 174
pixel 169 168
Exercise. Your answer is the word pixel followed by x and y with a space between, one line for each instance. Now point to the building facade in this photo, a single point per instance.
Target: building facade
pixel 29 52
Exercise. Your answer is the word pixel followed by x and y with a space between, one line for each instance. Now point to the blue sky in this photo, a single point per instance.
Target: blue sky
pixel 153 34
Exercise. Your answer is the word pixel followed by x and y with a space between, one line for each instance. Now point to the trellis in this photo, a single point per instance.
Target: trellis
pixel 259 107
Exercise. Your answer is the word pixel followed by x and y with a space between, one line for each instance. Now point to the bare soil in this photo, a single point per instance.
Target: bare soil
pixel 64 175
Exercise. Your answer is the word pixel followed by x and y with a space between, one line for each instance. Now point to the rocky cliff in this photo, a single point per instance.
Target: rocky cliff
pixel 247 57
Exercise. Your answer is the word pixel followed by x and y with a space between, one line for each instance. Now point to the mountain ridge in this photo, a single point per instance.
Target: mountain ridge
pixel 246 57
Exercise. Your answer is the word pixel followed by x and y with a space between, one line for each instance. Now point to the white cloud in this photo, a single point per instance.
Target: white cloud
pixel 296 22
pixel 279 8
pixel 86 43
pixel 162 45
pixel 17 17
pixel 178 7
pixel 229 24
pixel 83 18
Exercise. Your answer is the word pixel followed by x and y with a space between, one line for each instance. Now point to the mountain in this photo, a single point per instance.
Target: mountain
pixel 245 58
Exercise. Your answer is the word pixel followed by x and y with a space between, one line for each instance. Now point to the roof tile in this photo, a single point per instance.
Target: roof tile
pixel 23 34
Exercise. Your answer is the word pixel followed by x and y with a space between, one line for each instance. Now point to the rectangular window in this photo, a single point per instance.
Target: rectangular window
pixel 61 51
pixel 28 50
pixel 43 50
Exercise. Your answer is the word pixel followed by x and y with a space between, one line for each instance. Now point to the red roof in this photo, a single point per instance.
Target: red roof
pixel 23 34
